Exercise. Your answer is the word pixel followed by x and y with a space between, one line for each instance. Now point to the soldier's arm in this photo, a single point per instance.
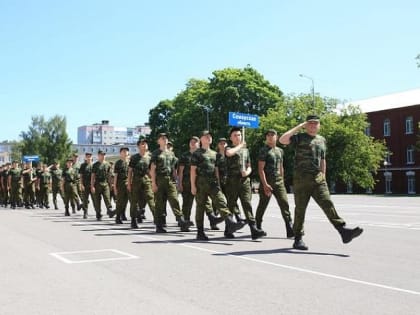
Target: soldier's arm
pixel 285 137
pixel 180 173
pixel 193 176
pixel 232 151
pixel 323 167
pixel 129 178
pixel 153 176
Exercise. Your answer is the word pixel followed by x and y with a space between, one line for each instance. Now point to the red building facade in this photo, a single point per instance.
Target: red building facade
pixel 398 126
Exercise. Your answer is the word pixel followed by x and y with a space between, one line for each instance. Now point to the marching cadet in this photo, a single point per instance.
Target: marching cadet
pixel 28 178
pixel 238 183
pixel 163 175
pixel 139 183
pixel 271 173
pixel 120 185
pixel 37 173
pixel 5 184
pixel 99 186
pixel 76 166
pixel 184 183
pixel 68 186
pixel 112 195
pixel 44 187
pixel 309 179
pixel 85 179
pixel 204 184
pixel 56 176
pixel 15 184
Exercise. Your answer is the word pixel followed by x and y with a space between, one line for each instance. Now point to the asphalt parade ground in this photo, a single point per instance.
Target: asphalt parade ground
pixel 51 264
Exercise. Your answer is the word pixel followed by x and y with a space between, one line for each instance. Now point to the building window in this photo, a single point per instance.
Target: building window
pixel 409 125
pixel 387 128
pixel 411 182
pixel 410 155
pixel 367 130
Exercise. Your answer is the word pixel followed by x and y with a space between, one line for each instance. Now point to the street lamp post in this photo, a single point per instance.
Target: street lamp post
pixel 312 89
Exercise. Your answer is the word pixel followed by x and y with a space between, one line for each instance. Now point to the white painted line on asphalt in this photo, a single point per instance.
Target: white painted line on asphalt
pixel 317 273
pixel 123 256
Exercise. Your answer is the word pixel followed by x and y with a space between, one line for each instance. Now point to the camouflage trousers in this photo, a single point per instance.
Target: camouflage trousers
pixel 306 186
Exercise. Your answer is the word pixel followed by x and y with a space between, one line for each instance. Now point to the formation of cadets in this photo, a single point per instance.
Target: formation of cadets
pixel 216 180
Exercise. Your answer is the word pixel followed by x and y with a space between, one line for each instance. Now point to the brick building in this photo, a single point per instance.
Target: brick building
pixel 395 118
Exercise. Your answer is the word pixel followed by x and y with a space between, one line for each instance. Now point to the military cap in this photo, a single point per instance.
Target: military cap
pixel 234 129
pixel 101 152
pixel 222 139
pixel 271 131
pixel 88 153
pixel 124 148
pixel 195 138
pixel 75 154
pixel 205 133
pixel 163 134
pixel 70 159
pixel 312 118
pixel 15 161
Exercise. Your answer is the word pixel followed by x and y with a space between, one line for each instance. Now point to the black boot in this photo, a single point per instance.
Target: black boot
pixel 201 236
pixel 348 234
pixel 67 213
pixel 123 217
pixel 229 235
pixel 299 244
pixel 255 232
pixel 110 212
pixel 84 214
pixel 214 220
pixel 239 218
pixel 289 229
pixel 118 219
pixel 183 224
pixel 143 214
pixel 232 226
pixel 134 223
pixel 73 209
pixel 214 228
pixel 159 225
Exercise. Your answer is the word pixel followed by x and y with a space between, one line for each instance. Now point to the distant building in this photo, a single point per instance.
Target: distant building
pixel 395 118
pixel 111 151
pixel 104 134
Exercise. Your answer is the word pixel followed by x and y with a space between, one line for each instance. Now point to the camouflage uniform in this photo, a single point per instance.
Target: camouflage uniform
pixel 121 172
pixel 28 178
pixel 69 188
pixel 141 185
pixel 85 172
pixel 15 186
pixel 165 163
pixel 5 185
pixel 56 175
pixel 273 159
pixel 309 181
pixel 101 185
pixel 44 188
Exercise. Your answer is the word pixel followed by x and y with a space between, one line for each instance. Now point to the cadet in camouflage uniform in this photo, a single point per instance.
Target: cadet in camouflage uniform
pixel 163 175
pixel 99 185
pixel 56 175
pixel 5 184
pixel 204 184
pixel 38 171
pixel 309 179
pixel 28 178
pixel 139 183
pixel 271 173
pixel 112 195
pixel 68 186
pixel 238 183
pixel 120 185
pixel 15 184
pixel 85 172
pixel 44 187
pixel 184 183
pixel 76 166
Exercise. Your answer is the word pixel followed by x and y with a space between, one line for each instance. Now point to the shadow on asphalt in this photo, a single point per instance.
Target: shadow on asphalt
pixel 280 251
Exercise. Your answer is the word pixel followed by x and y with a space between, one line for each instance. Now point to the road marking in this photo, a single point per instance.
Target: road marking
pixel 304 270
pixel 123 256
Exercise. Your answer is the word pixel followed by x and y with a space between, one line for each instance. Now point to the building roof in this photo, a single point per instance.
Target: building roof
pixel 389 101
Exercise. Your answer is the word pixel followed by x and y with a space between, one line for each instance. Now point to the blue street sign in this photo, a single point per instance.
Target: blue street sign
pixel 243 120
pixel 30 158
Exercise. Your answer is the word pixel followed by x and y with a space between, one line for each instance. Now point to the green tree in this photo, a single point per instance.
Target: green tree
pixel 48 139
pixel 159 118
pixel 418 60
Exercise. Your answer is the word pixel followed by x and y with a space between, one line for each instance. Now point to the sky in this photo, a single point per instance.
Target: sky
pixel 94 60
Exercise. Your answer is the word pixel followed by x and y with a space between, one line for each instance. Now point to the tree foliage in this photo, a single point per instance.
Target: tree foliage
pixel 46 138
